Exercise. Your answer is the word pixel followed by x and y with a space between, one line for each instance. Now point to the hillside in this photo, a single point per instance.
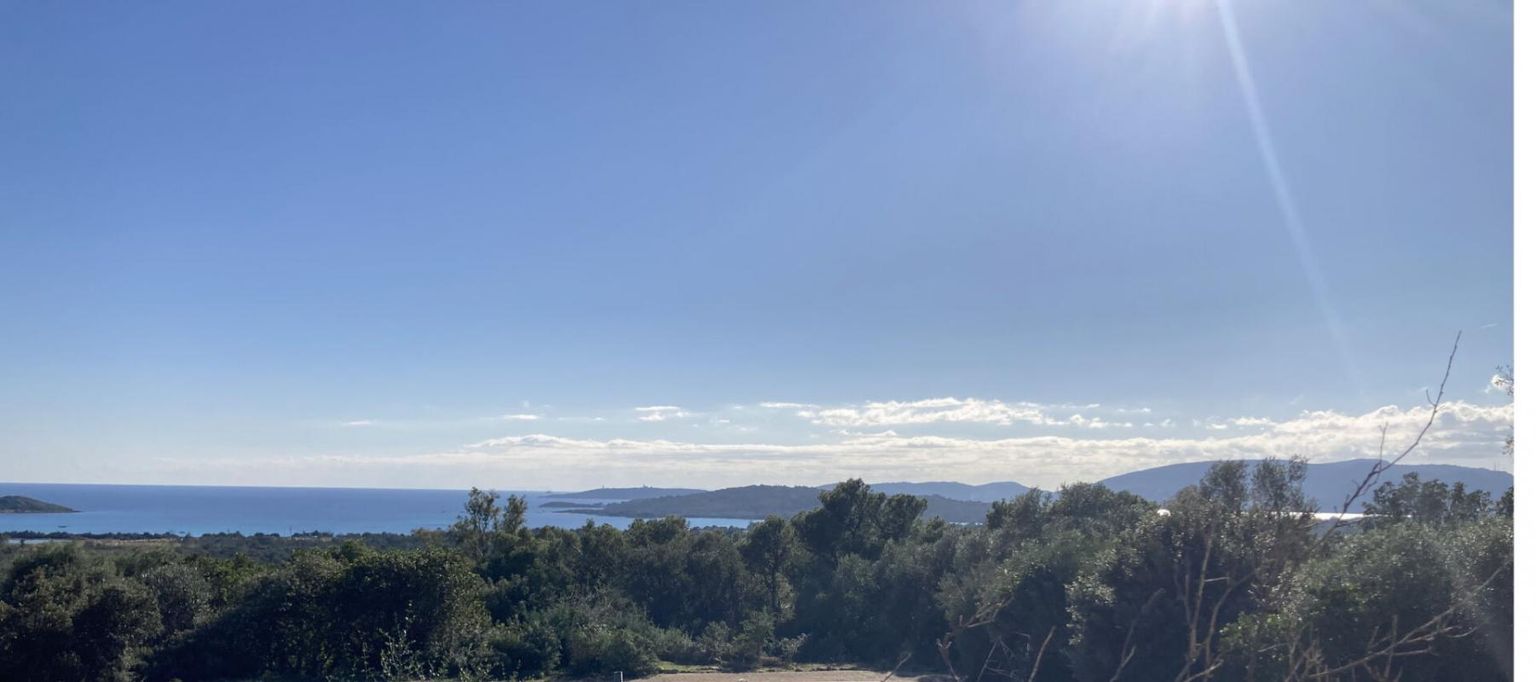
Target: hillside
pixel 622 494
pixel 18 504
pixel 965 492
pixel 1328 483
pixel 985 492
pixel 567 504
pixel 761 501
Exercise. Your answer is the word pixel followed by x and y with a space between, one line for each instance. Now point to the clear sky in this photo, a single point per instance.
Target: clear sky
pixel 556 245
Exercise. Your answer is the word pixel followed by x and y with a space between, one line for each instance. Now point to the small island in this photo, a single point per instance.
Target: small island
pixel 563 504
pixel 18 504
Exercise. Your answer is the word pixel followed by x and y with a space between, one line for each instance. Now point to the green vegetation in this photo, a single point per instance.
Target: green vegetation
pixel 563 504
pixel 19 504
pixel 748 502
pixel 762 501
pixel 1230 583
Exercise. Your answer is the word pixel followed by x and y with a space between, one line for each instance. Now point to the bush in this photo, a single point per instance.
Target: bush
pixel 676 646
pixel 741 649
pixel 63 617
pixel 527 650
pixel 1395 579
pixel 182 595
pixel 601 649
pixel 348 612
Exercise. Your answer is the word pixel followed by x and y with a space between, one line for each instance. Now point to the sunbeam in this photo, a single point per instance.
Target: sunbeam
pixel 1282 191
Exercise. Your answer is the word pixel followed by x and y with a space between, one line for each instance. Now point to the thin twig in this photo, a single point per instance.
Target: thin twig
pixel 1382 464
pixel 898 667
pixel 1040 655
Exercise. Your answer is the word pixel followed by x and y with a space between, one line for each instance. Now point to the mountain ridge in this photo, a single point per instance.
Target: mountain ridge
pixel 1328 483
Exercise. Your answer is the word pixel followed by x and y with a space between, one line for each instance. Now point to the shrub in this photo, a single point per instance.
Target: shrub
pixel 676 646
pixel 527 650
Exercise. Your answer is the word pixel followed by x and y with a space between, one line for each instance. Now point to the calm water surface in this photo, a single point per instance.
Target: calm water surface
pixel 197 510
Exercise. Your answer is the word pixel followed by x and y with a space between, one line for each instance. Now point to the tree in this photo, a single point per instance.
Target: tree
pixel 65 617
pixel 344 612
pixel 183 596
pixel 1008 609
pixel 1431 502
pixel 844 539
pixel 1402 602
pixel 118 617
pixel 471 532
pixel 853 519
pixel 768 550
pixel 1167 591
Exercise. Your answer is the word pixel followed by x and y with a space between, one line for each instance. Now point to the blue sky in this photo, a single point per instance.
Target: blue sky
pixel 406 244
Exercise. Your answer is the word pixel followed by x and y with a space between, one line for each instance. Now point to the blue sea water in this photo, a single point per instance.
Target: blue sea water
pixel 197 510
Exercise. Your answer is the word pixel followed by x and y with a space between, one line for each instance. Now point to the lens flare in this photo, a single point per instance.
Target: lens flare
pixel 1281 188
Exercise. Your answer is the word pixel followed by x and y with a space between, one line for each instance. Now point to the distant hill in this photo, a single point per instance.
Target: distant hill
pixel 17 504
pixel 1327 483
pixel 762 501
pixel 965 492
pixel 619 494
pixel 567 504
pixel 956 511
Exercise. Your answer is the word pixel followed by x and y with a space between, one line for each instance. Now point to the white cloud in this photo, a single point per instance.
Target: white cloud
pixel 1242 422
pixel 661 413
pixel 785 406
pixel 1464 433
pixel 954 411
pixel 1095 422
pixel 520 417
pixel 930 411
pixel 360 423
pixel 1253 421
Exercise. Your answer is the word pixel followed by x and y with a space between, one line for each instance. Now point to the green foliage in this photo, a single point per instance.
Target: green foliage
pixel 348 612
pixel 1430 502
pixel 606 633
pixel 762 501
pixel 1385 585
pixel 1231 581
pixel 182 595
pixel 769 551
pixel 65 616
pixel 525 650
pixel 1153 605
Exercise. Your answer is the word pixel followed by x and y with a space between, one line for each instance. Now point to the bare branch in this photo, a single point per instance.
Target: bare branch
pixel 1382 464
pixel 899 663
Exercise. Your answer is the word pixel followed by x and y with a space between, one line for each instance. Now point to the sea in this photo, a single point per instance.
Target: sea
pixel 199 510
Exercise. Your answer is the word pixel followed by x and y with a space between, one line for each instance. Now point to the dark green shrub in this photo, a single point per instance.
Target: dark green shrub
pixel 527 650
pixel 64 617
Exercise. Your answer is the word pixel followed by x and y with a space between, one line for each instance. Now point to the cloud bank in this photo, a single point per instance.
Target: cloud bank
pixel 1464 433
pixel 947 410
